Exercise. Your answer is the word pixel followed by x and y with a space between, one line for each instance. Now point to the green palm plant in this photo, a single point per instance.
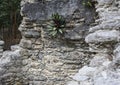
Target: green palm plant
pixel 57 25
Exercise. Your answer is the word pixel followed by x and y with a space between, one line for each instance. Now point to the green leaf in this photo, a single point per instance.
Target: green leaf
pixel 60 31
pixel 54 28
pixel 56 25
pixel 50 29
pixel 62 26
pixel 54 33
pixel 84 3
pixel 89 3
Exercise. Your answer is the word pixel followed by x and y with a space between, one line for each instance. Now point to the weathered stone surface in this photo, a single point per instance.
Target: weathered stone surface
pixel 53 58
pixel 8 57
pixel 107 79
pixel 32 34
pixel 84 74
pixel 99 59
pixel 106 63
pixel 15 47
pixel 74 36
pixel 78 77
pixel 87 71
pixel 72 83
pixel 103 36
pixel 10 67
pixel 26 43
pixel 105 26
pixel 46 61
pixel 105 2
pixel 41 11
pixel 1 47
pixel 1 43
pixel 2 71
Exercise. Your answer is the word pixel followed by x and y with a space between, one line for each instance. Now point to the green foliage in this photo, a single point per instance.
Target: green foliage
pixel 57 25
pixel 9 13
pixel 87 3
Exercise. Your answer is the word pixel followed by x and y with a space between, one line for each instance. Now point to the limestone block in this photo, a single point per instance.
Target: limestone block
pixel 102 36
pixel 1 47
pixel 117 54
pixel 1 55
pixel 26 43
pixel 36 83
pixel 74 36
pixel 31 34
pixel 15 47
pixel 9 57
pixel 35 72
pixel 102 81
pixel 37 78
pixel 24 53
pixel 87 71
pixel 99 59
pixel 38 47
pixel 2 71
pixel 88 82
pixel 78 77
pixel 72 83
pixel 1 43
pixel 117 50
pixel 25 62
pixel 38 42
pixel 1 50
pixel 52 62
pixel 5 61
pixel 104 2
pixel 39 11
pixel 108 25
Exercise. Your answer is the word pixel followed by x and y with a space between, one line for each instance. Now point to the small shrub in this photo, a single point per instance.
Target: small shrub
pixel 57 25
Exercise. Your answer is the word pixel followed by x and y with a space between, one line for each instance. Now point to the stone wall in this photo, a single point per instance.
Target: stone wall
pixel 104 39
pixel 41 60
pixel 52 61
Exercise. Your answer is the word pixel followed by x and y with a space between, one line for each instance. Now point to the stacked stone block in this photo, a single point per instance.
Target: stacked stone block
pixel 48 61
pixel 31 46
pixel 1 48
pixel 40 59
pixel 103 39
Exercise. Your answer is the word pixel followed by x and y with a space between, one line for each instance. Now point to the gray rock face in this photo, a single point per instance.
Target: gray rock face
pixel 42 60
pixel 15 47
pixel 103 36
pixel 72 10
pixel 42 11
pixel 33 34
pixel 102 81
pixel 48 61
pixel 10 68
pixel 1 43
pixel 26 44
pixel 106 64
pixel 72 83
